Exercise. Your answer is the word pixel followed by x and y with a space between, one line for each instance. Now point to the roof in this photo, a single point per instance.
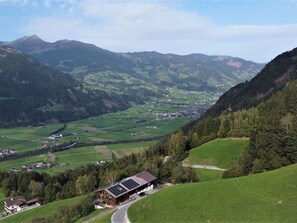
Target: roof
pixel 17 200
pixel 146 176
pixel 33 201
pixel 131 183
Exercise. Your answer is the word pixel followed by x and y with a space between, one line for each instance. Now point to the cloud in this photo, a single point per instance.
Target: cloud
pixel 160 26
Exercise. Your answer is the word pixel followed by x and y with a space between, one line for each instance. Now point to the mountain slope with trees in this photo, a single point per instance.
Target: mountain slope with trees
pixel 271 124
pixel 33 93
pixel 90 64
pixel 274 77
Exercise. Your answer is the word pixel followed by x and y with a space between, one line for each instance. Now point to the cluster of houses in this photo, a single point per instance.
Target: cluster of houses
pixel 19 203
pixel 172 115
pixel 7 152
pixel 33 166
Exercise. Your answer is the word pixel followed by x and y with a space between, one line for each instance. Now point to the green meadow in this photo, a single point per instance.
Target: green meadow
pixel 79 156
pixel 222 153
pixel 265 197
pixel 207 175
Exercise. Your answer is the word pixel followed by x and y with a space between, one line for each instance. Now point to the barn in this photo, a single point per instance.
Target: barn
pixel 121 191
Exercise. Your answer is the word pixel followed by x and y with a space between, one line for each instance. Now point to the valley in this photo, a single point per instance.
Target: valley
pixel 143 120
pixel 103 134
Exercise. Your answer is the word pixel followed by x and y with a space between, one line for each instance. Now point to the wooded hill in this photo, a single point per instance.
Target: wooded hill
pixel 274 77
pixel 271 124
pixel 32 93
pixel 146 70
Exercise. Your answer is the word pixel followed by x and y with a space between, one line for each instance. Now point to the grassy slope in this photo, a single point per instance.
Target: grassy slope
pixel 207 175
pixel 44 210
pixel 266 197
pixel 219 152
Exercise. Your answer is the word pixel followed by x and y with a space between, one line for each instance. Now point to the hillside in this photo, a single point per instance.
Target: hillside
pixel 146 70
pixel 33 93
pixel 275 76
pixel 222 153
pixel 266 197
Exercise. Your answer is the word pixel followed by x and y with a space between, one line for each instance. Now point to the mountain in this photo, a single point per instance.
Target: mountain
pixel 275 76
pixel 265 110
pixel 34 93
pixel 147 70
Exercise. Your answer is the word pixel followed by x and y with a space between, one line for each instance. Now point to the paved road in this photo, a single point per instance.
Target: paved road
pixel 207 167
pixel 120 216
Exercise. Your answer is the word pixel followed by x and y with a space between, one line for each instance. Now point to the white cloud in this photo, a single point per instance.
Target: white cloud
pixel 47 3
pixel 160 26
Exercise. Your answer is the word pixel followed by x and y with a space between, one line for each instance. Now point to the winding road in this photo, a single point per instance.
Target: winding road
pixel 121 215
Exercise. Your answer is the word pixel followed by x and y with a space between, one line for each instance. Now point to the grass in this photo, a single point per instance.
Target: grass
pixel 219 152
pixel 266 197
pixel 2 198
pixel 104 219
pixel 94 213
pixel 128 148
pixel 207 175
pixel 44 210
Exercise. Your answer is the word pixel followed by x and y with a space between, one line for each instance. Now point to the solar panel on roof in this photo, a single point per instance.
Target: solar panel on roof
pixel 130 184
pixel 117 190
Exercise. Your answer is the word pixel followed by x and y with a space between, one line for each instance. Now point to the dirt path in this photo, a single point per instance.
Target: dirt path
pixel 206 167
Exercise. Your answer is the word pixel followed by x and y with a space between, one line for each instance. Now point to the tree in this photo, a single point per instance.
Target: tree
pixel 36 188
pixel 84 184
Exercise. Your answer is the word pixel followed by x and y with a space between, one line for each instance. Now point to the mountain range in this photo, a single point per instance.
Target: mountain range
pixel 34 93
pixel 151 71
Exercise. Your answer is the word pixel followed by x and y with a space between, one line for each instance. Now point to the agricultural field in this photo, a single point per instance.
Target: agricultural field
pixel 265 197
pixel 79 156
pixel 158 117
pixel 222 153
pixel 42 211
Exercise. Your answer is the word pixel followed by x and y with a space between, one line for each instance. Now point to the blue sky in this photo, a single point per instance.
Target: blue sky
pixel 256 30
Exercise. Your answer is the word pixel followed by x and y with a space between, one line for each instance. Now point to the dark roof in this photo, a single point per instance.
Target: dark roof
pixel 117 190
pixel 33 201
pixel 17 200
pixel 146 176
pixel 130 183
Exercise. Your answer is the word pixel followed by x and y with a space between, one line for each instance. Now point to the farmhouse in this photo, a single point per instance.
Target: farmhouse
pixel 121 191
pixel 18 203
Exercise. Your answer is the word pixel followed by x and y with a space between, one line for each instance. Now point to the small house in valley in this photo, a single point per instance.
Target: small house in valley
pixel 121 191
pixel 18 203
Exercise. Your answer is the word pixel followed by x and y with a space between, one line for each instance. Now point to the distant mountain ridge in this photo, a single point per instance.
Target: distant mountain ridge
pixel 32 93
pixel 275 76
pixel 91 64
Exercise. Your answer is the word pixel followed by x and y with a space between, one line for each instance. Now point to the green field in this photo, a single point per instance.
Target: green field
pixel 222 153
pixel 207 175
pixel 265 197
pixel 44 210
pixel 79 156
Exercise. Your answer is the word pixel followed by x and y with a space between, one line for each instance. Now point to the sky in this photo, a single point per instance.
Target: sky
pixel 256 30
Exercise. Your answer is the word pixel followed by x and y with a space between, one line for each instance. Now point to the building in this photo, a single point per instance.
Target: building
pixel 121 191
pixel 18 203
